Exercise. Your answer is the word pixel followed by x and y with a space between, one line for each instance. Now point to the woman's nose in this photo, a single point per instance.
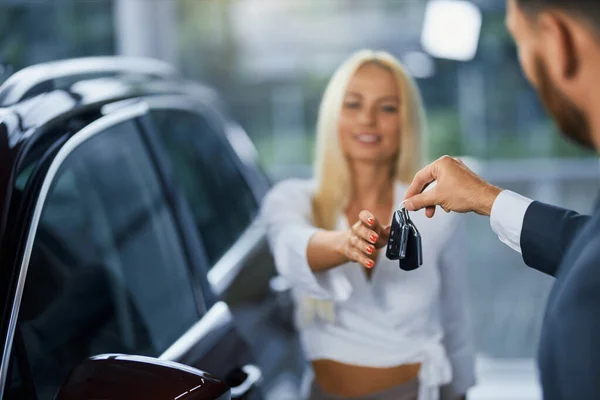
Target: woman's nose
pixel 367 116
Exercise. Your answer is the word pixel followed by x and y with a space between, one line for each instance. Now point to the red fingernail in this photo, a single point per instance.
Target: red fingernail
pixel 370 249
pixel 371 221
pixel 373 238
pixel 370 264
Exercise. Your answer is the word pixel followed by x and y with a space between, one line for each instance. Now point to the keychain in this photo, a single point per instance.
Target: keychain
pixel 404 243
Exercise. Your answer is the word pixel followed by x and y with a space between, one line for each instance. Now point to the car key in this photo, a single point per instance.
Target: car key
pixel 404 232
pixel 419 243
pixel 393 247
pixel 414 256
pixel 404 243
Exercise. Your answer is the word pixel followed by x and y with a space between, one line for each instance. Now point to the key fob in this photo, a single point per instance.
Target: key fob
pixel 404 243
pixel 393 246
pixel 404 233
pixel 414 250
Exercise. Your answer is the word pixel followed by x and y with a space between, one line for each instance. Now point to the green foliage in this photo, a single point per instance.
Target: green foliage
pixel 444 135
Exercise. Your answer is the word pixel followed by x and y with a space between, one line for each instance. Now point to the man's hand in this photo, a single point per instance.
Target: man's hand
pixel 457 189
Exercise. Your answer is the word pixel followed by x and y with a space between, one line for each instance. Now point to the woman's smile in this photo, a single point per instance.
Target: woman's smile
pixel 368 138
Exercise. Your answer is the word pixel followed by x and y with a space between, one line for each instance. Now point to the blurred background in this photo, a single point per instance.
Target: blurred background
pixel 271 59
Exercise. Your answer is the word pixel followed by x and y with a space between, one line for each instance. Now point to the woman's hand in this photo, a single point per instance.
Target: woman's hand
pixel 364 239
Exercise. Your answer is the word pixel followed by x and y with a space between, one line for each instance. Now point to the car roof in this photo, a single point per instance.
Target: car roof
pixel 40 93
pixel 16 88
pixel 37 98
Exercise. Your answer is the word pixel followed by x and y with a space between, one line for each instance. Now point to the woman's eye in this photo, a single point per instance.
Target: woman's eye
pixel 390 109
pixel 352 105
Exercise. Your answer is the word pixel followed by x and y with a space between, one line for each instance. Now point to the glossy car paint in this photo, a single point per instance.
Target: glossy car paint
pixel 123 377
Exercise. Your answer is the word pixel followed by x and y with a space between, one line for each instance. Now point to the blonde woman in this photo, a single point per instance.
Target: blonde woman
pixel 370 330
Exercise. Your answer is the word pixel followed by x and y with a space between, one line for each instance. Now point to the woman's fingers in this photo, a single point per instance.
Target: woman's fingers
pixel 359 248
pixel 355 254
pixel 368 219
pixel 363 232
pixel 361 245
pixel 383 238
pixel 366 237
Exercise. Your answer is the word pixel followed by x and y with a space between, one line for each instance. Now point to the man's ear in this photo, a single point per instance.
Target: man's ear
pixel 557 38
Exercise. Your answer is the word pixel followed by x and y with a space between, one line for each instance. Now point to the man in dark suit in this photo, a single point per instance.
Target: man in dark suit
pixel 559 50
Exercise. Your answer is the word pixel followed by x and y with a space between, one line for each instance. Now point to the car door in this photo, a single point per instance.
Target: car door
pixel 107 269
pixel 223 195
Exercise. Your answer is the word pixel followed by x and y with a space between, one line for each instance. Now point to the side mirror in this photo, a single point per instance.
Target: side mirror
pixel 125 377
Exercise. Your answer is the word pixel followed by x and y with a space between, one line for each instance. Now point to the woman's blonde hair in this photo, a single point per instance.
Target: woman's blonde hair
pixel 330 167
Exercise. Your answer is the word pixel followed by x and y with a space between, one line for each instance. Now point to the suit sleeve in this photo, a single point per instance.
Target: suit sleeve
pixel 540 232
pixel 546 235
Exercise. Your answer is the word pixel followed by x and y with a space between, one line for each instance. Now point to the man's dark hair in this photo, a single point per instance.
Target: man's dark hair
pixel 587 10
pixel 583 8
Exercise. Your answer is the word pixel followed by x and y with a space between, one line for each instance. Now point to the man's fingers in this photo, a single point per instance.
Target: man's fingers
pixel 458 160
pixel 423 178
pixel 419 201
pixel 430 211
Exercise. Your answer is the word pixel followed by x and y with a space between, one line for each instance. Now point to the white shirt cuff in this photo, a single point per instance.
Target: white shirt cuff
pixel 507 216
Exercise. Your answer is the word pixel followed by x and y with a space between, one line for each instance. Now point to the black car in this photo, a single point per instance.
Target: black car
pixel 128 206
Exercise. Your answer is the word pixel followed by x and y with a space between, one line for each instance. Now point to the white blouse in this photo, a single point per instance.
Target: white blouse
pixel 393 318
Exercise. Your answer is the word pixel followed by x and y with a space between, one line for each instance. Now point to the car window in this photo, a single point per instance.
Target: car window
pixel 107 271
pixel 208 170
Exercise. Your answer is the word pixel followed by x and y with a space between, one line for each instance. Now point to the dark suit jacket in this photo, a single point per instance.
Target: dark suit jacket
pixel 566 245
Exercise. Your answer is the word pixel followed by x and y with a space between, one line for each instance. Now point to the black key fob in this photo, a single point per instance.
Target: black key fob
pixel 393 246
pixel 404 232
pixel 414 256
pixel 404 243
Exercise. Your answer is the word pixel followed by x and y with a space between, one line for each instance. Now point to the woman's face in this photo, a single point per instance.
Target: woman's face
pixel 370 118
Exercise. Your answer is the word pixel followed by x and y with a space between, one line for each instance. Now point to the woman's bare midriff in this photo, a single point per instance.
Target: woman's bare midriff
pixel 354 381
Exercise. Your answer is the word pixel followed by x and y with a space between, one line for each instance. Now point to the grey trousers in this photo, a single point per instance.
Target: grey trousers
pixel 406 391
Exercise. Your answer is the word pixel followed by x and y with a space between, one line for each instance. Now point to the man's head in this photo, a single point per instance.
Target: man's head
pixel 559 50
